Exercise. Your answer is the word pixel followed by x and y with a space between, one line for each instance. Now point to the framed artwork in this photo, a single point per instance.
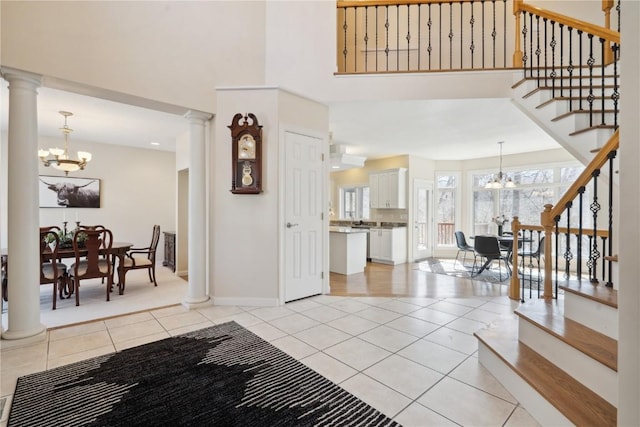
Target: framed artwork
pixel 67 192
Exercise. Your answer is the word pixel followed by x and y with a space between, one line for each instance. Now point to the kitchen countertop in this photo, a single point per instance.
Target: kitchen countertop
pixel 347 230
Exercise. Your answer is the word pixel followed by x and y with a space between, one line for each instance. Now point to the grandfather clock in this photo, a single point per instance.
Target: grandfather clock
pixel 246 158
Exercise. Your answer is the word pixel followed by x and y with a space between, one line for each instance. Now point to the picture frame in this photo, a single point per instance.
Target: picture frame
pixel 68 192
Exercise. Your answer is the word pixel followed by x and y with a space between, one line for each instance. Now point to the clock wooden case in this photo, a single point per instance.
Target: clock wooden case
pixel 246 149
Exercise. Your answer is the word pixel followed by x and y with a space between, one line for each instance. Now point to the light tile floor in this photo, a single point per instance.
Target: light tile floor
pixel 414 359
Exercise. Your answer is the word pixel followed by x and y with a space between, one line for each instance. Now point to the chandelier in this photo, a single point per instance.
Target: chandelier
pixel 60 159
pixel 500 180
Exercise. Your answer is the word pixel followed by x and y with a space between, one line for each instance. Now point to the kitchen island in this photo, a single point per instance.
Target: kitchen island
pixel 347 249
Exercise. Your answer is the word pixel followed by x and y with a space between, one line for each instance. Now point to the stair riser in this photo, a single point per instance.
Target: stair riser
pixel 543 411
pixel 591 314
pixel 581 120
pixel 594 375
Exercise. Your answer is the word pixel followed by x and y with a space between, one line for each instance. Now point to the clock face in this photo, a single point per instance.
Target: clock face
pixel 247 147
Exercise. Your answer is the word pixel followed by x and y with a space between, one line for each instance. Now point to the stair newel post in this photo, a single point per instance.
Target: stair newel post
pixel 548 222
pixel 514 285
pixel 517 53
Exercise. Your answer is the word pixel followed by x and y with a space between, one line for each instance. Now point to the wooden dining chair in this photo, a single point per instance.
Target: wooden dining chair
pixel 89 246
pixel 51 269
pixel 141 258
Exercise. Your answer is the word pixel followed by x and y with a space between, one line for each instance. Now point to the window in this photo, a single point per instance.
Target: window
pixel 446 207
pixel 535 188
pixel 354 202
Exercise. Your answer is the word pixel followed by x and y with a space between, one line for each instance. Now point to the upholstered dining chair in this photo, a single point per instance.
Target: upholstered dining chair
pixel 143 258
pixel 51 269
pixel 89 246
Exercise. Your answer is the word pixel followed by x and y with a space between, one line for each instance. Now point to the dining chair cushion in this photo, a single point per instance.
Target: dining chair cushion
pixel 136 261
pixel 47 270
pixel 103 266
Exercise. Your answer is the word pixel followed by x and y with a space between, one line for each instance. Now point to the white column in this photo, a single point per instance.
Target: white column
pixel 197 290
pixel 23 214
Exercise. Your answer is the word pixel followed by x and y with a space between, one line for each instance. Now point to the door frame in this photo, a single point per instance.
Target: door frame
pixel 421 182
pixel 324 182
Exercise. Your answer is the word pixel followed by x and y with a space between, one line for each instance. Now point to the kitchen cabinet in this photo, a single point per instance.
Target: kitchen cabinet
pixel 388 189
pixel 388 245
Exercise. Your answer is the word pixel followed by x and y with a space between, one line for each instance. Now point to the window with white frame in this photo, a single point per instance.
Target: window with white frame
pixel 447 187
pixel 535 187
pixel 354 202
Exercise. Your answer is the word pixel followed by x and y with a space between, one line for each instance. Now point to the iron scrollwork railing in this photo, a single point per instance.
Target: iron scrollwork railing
pixel 423 35
pixel 576 60
pixel 569 250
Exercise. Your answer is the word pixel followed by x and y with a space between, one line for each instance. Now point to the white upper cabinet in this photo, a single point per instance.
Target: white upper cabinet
pixel 388 189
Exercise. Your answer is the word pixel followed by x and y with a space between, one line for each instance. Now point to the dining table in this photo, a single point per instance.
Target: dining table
pixel 117 252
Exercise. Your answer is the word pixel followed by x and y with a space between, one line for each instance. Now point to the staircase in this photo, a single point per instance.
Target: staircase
pixel 558 357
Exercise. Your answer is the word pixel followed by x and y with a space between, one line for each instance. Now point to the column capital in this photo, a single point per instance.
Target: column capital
pixel 12 75
pixel 197 117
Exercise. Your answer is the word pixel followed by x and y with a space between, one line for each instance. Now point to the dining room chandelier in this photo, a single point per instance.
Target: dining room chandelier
pixel 500 180
pixel 60 159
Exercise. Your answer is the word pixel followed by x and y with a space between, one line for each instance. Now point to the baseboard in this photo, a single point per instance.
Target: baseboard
pixel 247 302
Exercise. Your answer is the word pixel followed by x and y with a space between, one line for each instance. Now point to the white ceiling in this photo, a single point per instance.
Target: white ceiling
pixel 434 129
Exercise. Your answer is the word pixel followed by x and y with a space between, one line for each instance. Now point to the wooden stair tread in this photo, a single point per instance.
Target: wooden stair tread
pixel 571 98
pixel 568 88
pixel 549 316
pixel 596 292
pixel 575 76
pixel 583 111
pixel 578 403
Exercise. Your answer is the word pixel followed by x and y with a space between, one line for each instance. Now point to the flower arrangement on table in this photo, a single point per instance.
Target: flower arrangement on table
pixel 500 221
pixel 65 238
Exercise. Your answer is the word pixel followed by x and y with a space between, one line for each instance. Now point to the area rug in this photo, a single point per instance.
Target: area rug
pixel 223 375
pixel 452 267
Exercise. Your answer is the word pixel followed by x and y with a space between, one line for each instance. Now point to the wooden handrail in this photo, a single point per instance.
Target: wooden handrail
pixel 364 3
pixel 598 161
pixel 603 33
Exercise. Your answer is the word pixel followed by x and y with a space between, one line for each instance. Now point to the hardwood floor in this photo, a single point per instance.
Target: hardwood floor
pixel 410 280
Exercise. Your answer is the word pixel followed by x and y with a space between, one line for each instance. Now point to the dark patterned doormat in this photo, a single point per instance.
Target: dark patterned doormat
pixel 223 376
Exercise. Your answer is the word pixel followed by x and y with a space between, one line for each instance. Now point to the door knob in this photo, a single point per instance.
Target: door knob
pixel 289 225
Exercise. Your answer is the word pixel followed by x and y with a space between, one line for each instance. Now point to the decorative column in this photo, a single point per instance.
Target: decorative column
pixel 23 215
pixel 197 290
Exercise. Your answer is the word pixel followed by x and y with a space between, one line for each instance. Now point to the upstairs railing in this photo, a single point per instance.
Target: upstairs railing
pixel 381 36
pixel 577 251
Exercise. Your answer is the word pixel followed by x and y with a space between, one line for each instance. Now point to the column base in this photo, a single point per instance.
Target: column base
pixel 18 335
pixel 197 303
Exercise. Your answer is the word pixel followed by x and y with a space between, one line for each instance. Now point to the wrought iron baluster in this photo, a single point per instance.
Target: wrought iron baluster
pixel 408 37
pixel 553 59
pixel 524 43
pixel 366 39
pixel 557 238
pixel 568 256
pixel 419 33
pixel 429 24
pixel 604 246
pixel 440 36
pixel 590 62
pixel 561 26
pixel 461 34
pixel 546 67
pixel 386 27
pixel 531 44
pixel 580 233
pixel 397 38
pixel 344 27
pixel 472 21
pixel 615 95
pixel 493 32
pixel 538 51
pixel 590 261
pixel 355 39
pixel 504 36
pixel 612 155
pixel 570 68
pixel 450 35
pixel 376 50
pixel 595 208
pixel 602 46
pixel 483 50
pixel 580 69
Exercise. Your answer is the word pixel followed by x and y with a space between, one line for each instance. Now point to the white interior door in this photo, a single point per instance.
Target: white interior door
pixel 422 219
pixel 303 216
